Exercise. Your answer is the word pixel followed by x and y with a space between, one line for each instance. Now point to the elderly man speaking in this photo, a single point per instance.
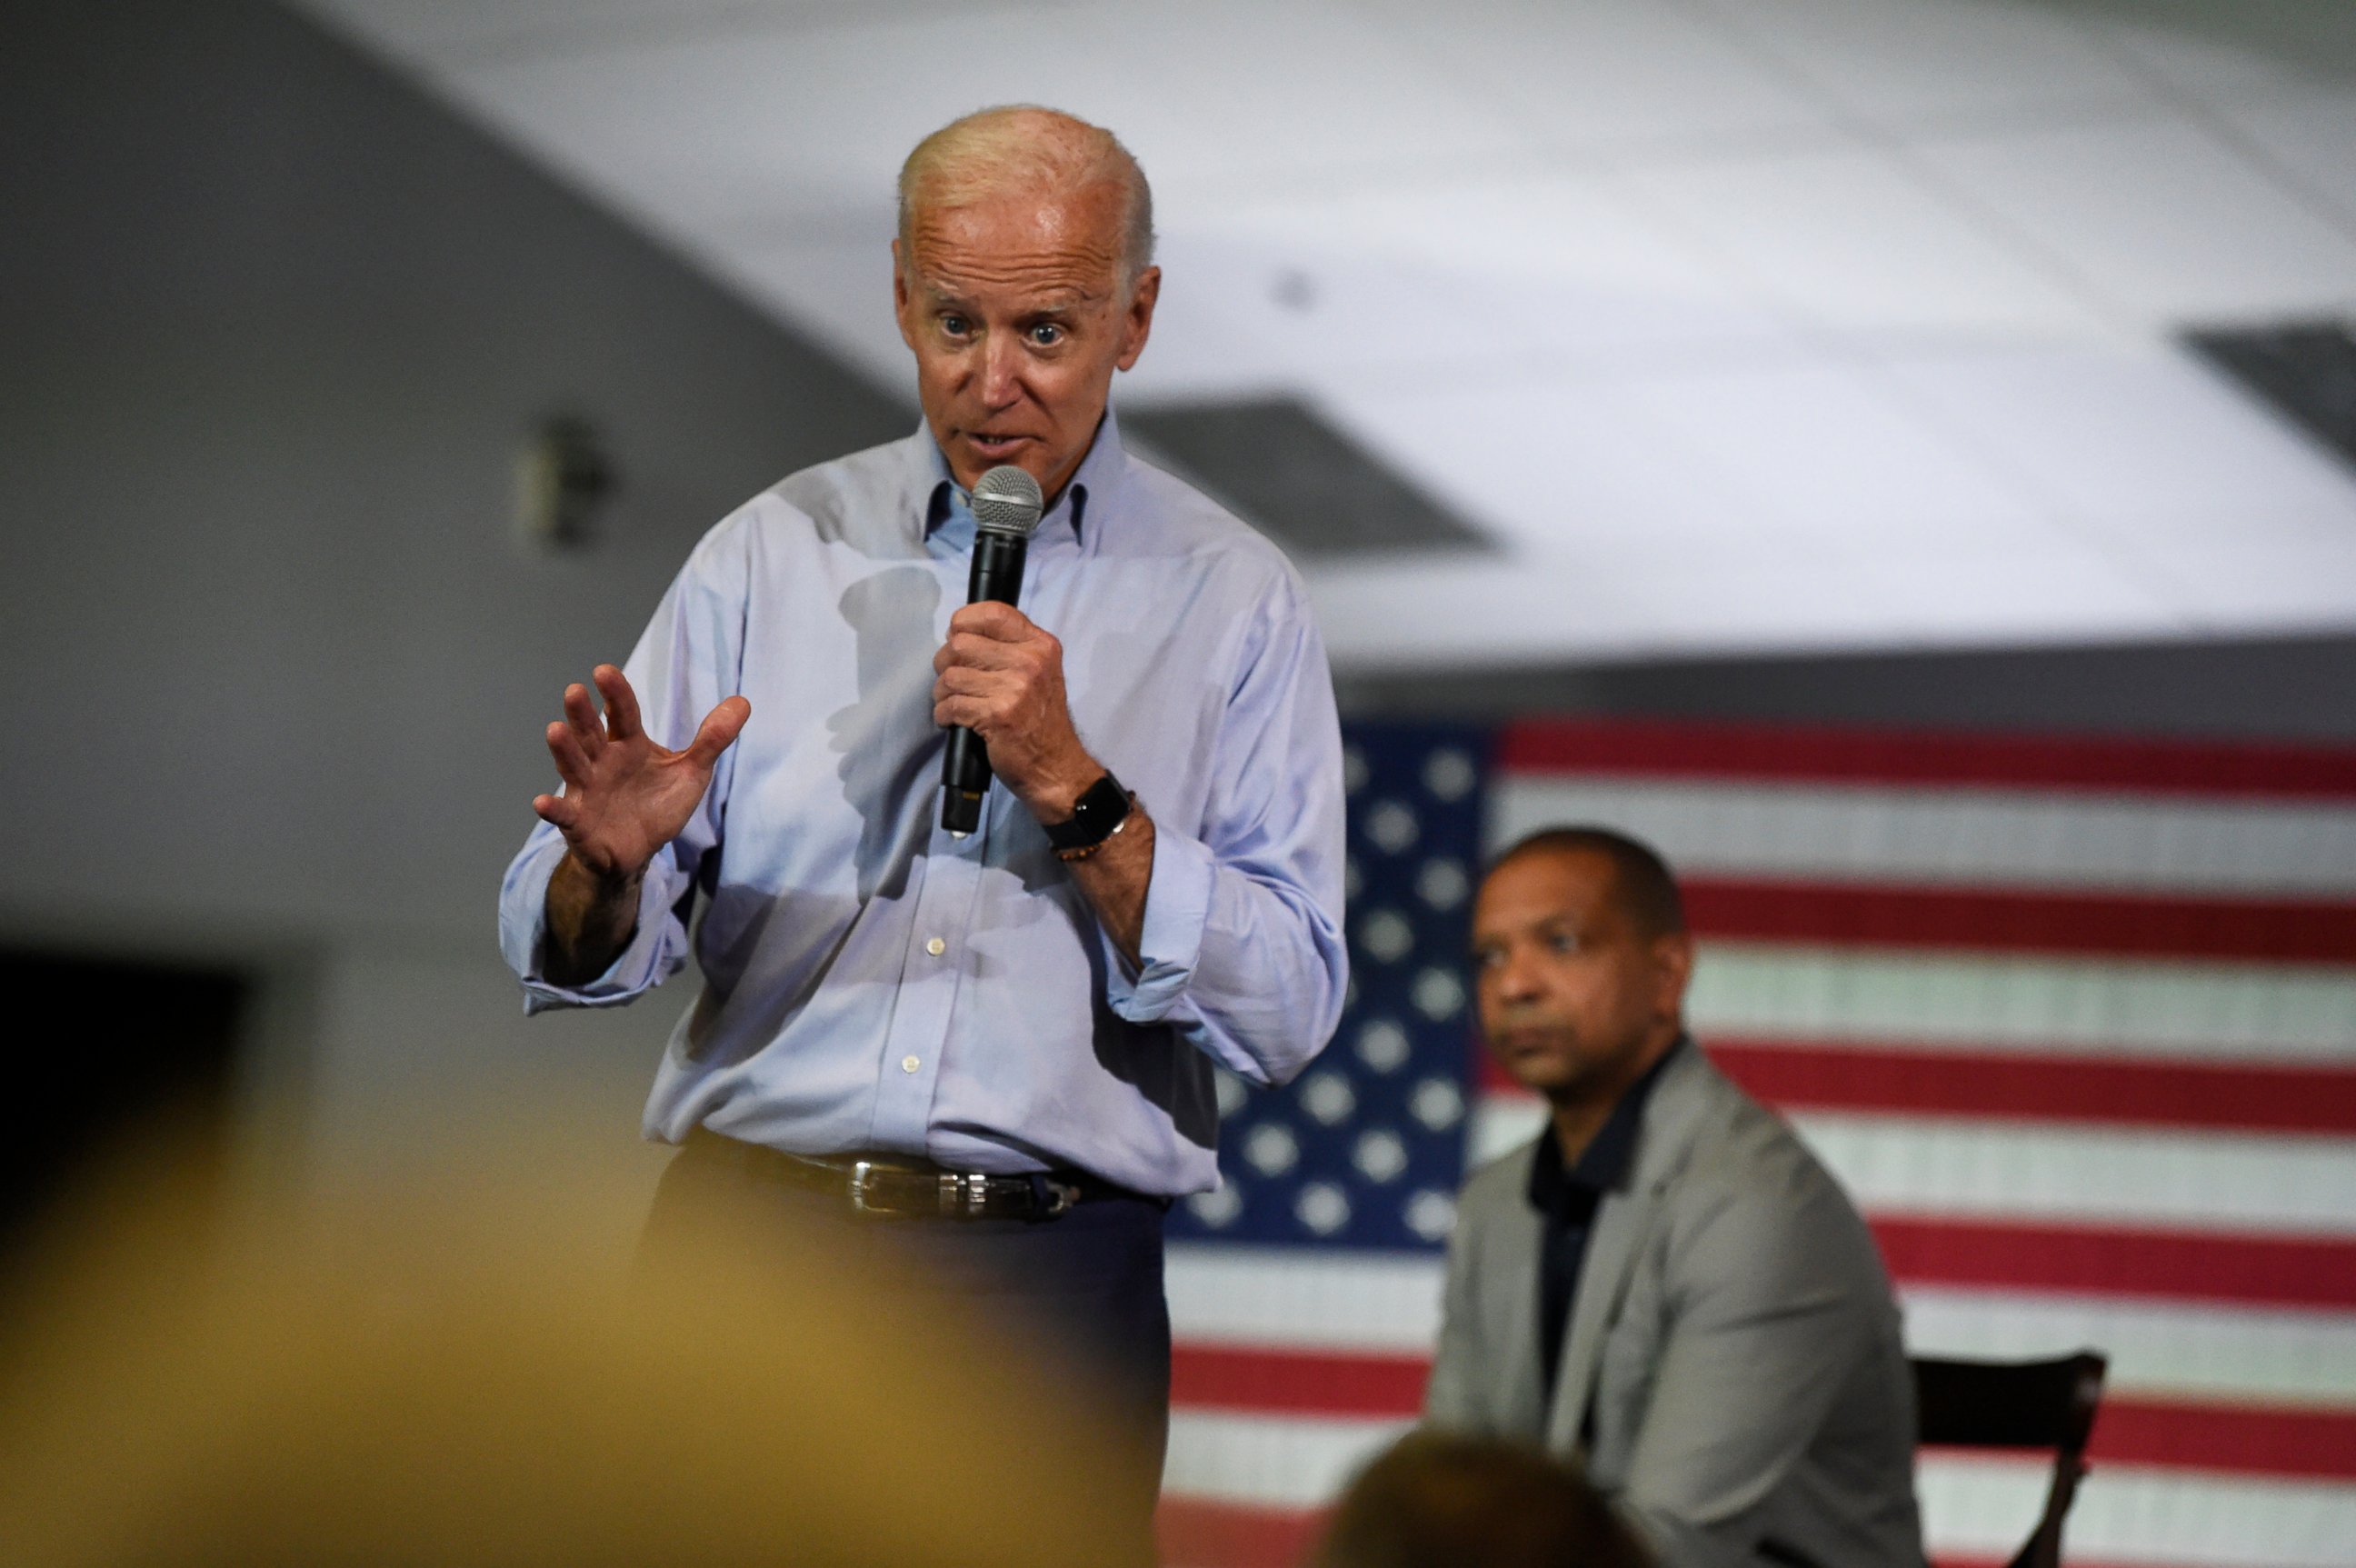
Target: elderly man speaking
pixel 987 1055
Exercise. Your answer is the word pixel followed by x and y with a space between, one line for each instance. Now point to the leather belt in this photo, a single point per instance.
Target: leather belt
pixel 897 1186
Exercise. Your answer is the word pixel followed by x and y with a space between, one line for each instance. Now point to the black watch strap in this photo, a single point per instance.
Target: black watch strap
pixel 1099 810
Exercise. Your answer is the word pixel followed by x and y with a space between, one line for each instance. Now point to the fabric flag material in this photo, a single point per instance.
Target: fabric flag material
pixel 2073 1020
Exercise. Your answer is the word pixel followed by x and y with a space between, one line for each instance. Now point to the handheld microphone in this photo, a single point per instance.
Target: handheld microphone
pixel 1006 508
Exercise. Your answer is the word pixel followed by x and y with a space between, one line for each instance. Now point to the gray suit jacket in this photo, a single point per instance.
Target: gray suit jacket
pixel 1733 1374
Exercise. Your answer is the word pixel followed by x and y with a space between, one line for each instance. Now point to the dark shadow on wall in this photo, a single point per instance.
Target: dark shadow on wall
pixel 2299 689
pixel 2311 39
pixel 130 1046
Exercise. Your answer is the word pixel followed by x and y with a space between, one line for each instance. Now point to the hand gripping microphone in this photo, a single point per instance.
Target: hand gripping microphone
pixel 1006 508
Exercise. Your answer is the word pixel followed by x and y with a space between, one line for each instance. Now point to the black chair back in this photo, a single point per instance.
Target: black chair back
pixel 2017 1404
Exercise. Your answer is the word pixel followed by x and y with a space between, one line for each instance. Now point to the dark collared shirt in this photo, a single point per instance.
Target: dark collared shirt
pixel 1567 1197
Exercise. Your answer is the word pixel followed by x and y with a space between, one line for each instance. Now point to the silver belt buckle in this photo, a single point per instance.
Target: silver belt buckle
pixel 862 1172
pixel 970 1192
pixel 971 1189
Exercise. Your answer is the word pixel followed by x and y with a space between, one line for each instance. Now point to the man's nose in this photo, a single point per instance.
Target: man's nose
pixel 1516 978
pixel 1001 368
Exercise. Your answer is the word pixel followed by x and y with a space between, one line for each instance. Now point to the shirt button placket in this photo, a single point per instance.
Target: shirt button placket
pixel 921 1022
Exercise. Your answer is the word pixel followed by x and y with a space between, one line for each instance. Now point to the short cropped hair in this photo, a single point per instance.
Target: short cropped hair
pixel 1643 887
pixel 1438 1500
pixel 1021 147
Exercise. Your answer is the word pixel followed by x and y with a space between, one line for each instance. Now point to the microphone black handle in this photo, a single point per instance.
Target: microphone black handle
pixel 965 768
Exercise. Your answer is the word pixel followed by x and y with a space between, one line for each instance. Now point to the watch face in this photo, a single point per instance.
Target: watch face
pixel 1094 815
pixel 1103 803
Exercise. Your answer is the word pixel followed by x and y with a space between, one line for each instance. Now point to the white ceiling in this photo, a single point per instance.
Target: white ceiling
pixel 1746 324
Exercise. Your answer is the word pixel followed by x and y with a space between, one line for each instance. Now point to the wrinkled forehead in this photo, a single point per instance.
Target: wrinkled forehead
pixel 1078 230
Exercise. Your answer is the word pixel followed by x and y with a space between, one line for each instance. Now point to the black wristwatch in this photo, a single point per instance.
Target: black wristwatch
pixel 1097 815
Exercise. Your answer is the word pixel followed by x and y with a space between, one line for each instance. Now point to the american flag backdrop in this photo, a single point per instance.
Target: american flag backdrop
pixel 2073 1020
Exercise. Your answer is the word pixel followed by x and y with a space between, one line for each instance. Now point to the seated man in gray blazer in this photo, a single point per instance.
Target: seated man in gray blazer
pixel 1665 1284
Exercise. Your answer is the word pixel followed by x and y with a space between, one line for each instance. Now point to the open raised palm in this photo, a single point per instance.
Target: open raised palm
pixel 625 797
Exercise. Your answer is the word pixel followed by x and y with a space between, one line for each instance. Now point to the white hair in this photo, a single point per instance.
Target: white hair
pixel 1023 148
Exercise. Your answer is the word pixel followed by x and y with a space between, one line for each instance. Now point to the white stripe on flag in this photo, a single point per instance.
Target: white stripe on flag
pixel 1924 1166
pixel 1345 1301
pixel 2276 1184
pixel 2225 1012
pixel 2255 1354
pixel 2139 1514
pixel 1288 1462
pixel 1954 837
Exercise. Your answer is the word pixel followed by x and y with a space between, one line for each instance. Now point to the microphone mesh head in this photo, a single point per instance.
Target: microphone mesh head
pixel 1007 500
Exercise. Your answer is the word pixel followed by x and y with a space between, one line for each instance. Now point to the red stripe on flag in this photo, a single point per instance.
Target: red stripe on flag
pixel 2137 1091
pixel 1296 1383
pixel 2245 1440
pixel 1741 752
pixel 2180 1265
pixel 2125 925
pixel 1204 1532
pixel 2231 1438
pixel 2238 1440
pixel 1945 1080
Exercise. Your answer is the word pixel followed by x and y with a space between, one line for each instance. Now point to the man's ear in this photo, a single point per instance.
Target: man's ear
pixel 1137 324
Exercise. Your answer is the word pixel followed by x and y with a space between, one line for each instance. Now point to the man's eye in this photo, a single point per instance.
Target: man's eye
pixel 1046 334
pixel 954 325
pixel 1487 958
pixel 1562 942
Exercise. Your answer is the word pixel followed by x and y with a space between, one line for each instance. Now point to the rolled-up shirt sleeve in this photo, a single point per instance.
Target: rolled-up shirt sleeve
pixel 689 659
pixel 656 952
pixel 1241 948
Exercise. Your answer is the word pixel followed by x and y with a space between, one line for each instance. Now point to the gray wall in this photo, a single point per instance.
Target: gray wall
pixel 275 671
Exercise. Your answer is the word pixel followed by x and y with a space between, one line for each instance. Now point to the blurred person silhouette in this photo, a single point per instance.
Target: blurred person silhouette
pixel 999 1041
pixel 464 1377
pixel 1665 1284
pixel 1438 1500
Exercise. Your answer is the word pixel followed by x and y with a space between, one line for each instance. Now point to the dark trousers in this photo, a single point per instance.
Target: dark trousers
pixel 1078 1298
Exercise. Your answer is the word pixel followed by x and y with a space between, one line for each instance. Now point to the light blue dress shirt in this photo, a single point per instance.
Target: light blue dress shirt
pixel 871 982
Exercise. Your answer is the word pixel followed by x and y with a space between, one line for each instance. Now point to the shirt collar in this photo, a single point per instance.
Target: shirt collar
pixel 1096 478
pixel 1605 1160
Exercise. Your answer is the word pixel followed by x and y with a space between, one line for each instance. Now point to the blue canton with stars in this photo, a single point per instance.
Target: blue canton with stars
pixel 1367 1147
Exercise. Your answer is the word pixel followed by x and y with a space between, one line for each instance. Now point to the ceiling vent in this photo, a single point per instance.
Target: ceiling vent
pixel 1275 464
pixel 2305 371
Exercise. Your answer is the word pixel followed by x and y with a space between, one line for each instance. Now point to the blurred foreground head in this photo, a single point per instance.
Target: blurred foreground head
pixel 473 1378
pixel 1441 1500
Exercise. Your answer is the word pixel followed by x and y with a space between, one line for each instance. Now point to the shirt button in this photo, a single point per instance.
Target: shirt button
pixel 909 1064
pixel 936 947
